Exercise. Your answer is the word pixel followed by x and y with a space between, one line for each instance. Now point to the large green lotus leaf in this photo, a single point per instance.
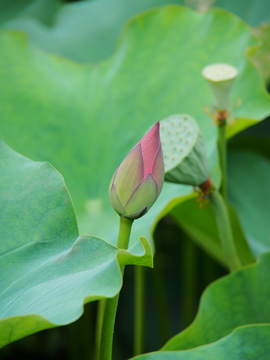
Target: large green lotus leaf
pixel 249 192
pixel 83 32
pixel 84 119
pixel 247 342
pixel 47 270
pixel 200 224
pixel 235 300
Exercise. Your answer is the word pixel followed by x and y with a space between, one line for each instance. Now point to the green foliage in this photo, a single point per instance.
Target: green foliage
pixel 252 11
pixel 250 194
pixel 80 30
pixel 84 119
pixel 47 270
pixel 200 224
pixel 235 300
pixel 249 342
pixel 39 11
pixel 250 198
pixel 71 114
pixel 261 56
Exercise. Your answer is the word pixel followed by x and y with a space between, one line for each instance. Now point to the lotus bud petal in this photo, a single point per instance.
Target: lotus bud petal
pixel 220 78
pixel 138 180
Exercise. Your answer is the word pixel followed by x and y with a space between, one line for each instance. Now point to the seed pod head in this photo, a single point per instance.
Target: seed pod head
pixel 220 78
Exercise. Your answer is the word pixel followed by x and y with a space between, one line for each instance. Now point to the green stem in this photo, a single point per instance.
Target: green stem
pixel 100 316
pixel 222 144
pixel 124 232
pixel 111 304
pixel 225 231
pixel 139 310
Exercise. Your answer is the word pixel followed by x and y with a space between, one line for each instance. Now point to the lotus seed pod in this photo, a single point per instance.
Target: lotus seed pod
pixel 220 78
pixel 185 160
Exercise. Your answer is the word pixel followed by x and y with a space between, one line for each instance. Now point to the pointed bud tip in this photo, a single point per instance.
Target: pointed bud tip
pixel 153 132
pixel 150 144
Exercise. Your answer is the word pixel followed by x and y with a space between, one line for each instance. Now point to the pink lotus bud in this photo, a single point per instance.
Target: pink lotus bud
pixel 138 180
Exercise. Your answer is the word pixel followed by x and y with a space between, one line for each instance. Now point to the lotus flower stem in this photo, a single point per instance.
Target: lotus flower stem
pixel 225 231
pixel 111 304
pixel 124 232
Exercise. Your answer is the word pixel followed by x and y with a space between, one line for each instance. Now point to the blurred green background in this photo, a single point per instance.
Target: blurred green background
pixel 87 32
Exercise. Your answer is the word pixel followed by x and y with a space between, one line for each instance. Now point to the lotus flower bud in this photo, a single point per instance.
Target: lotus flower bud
pixel 138 180
pixel 220 78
